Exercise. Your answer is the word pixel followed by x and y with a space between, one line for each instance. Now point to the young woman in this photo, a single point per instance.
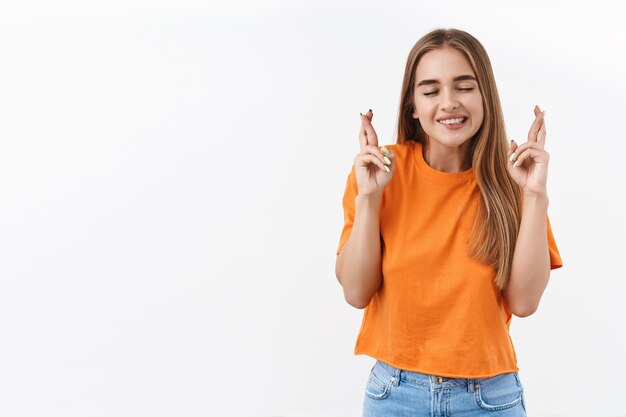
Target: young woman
pixel 446 236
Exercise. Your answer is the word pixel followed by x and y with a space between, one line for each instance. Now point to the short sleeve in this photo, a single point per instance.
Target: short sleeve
pixel 555 256
pixel 349 208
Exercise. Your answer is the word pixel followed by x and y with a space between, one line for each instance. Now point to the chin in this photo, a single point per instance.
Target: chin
pixel 452 141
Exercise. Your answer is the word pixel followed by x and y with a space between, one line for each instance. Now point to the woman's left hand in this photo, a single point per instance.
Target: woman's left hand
pixel 529 166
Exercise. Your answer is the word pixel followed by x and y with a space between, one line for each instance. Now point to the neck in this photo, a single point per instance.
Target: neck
pixel 445 158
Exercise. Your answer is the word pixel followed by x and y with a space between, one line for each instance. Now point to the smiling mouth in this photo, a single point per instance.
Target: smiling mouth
pixel 456 121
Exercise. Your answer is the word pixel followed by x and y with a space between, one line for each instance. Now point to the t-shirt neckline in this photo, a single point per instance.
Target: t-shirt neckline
pixel 449 177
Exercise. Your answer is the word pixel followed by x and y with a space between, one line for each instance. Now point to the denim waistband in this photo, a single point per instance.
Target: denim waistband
pixel 426 380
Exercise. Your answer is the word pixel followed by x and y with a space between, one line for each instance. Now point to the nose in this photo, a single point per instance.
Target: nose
pixel 449 100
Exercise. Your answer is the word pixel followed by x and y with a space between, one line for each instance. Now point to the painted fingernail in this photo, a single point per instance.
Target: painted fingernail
pixel 515 164
pixel 385 150
pixel 371 111
pixel 512 157
pixel 387 160
pixel 388 170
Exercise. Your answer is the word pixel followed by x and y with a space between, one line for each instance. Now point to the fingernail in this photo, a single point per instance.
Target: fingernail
pixel 385 150
pixel 512 157
pixel 515 164
pixel 371 111
pixel 388 170
pixel 511 142
pixel 543 113
pixel 538 108
pixel 387 160
pixel 361 113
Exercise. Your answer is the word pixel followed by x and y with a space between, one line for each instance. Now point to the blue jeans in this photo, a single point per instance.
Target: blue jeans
pixel 394 392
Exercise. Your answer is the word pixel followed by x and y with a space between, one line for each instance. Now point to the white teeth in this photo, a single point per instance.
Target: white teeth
pixel 452 121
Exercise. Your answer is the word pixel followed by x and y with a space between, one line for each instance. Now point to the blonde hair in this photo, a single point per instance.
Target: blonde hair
pixel 496 225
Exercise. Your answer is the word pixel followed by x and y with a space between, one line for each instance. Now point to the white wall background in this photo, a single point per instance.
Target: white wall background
pixel 171 177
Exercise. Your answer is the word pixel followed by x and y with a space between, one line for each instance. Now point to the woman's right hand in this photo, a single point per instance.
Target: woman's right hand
pixel 370 163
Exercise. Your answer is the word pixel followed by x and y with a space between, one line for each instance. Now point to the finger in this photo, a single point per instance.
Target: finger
pixel 375 150
pixel 534 128
pixel 362 134
pixel 372 138
pixel 519 149
pixel 392 157
pixel 389 157
pixel 528 154
pixel 368 158
pixel 513 151
pixel 388 153
pixel 541 135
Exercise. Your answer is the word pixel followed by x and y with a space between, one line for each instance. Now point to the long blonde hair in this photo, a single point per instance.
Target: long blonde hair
pixel 496 225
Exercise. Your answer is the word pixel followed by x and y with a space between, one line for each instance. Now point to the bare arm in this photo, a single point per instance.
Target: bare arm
pixel 358 266
pixel 530 270
pixel 531 260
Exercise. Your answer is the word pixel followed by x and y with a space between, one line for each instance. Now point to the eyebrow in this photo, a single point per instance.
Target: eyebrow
pixel 459 78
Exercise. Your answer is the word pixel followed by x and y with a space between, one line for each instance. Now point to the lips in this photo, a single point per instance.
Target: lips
pixel 453 116
pixel 460 116
pixel 453 123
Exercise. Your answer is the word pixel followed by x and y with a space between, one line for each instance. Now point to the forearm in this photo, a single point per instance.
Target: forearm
pixel 531 260
pixel 358 266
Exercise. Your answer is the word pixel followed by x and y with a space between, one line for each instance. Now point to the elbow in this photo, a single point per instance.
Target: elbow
pixel 524 311
pixel 520 308
pixel 357 302
pixel 356 298
pixel 519 302
pixel 357 292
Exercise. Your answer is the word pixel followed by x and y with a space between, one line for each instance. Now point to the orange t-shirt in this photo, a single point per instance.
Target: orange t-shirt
pixel 437 311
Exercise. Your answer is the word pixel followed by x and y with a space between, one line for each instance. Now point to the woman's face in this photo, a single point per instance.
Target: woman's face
pixel 446 88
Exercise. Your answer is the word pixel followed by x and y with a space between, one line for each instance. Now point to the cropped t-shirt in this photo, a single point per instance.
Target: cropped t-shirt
pixel 437 311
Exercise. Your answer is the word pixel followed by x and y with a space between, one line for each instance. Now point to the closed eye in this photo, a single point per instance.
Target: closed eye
pixel 430 93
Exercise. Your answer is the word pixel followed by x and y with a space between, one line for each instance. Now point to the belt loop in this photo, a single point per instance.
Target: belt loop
pixel 398 372
pixel 470 385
